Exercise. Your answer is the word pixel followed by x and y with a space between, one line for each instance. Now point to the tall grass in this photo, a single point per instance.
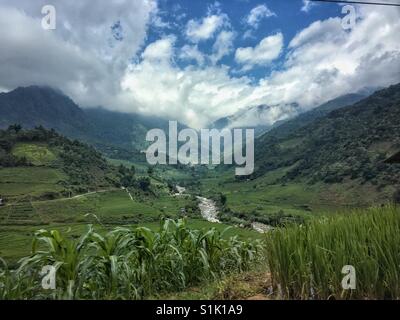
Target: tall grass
pixel 126 263
pixel 306 261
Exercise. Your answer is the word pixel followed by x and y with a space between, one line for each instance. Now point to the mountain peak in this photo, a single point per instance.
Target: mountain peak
pixel 41 105
pixel 260 117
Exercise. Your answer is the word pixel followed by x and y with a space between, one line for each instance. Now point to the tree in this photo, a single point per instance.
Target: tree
pixel 144 184
pixel 127 181
pixel 121 169
pixel 150 170
pixel 223 199
pixel 15 127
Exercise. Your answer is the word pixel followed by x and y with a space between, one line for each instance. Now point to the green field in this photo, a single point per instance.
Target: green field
pixel 104 209
pixel 29 181
pixel 267 195
pixel 306 262
pixel 37 154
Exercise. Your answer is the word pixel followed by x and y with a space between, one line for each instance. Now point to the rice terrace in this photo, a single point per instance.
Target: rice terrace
pixel 214 151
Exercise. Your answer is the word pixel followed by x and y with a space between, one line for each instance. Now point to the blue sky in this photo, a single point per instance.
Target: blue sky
pixel 197 61
pixel 289 17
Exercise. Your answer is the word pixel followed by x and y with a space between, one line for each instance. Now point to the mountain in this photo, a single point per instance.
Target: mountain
pixel 39 162
pixel 347 144
pixel 282 119
pixel 119 135
pixel 125 129
pixel 35 106
pixel 284 128
pixel 261 118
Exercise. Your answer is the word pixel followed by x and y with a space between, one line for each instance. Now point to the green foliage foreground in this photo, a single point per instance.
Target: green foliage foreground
pixel 126 263
pixel 306 261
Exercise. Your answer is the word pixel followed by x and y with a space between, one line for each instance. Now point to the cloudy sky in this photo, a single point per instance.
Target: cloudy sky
pixel 197 61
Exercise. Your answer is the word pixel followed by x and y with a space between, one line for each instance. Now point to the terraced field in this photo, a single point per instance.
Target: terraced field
pixel 105 210
pixel 29 181
pixel 22 213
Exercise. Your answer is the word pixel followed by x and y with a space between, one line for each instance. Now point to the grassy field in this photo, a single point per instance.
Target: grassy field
pixel 303 261
pixel 298 262
pixel 307 261
pixel 29 181
pixel 104 209
pixel 266 195
pixel 36 153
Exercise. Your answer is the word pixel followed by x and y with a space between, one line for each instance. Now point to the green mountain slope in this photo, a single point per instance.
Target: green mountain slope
pixel 42 106
pixel 350 143
pixel 41 163
pixel 285 128
pixel 118 135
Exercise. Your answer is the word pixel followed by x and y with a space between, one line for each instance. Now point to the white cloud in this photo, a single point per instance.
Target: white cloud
pixel 262 54
pixel 76 57
pixel 160 51
pixel 192 95
pixel 190 53
pixel 223 45
pixel 323 61
pixel 200 30
pixel 158 22
pixel 257 14
pixel 326 61
pixel 307 5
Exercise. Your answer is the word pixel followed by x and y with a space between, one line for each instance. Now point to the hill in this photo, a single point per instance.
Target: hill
pixel 118 135
pixel 261 118
pixel 42 163
pixel 285 128
pixel 286 117
pixel 43 106
pixel 350 143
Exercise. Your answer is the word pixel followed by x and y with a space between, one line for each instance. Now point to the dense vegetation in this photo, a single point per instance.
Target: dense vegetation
pixel 83 166
pixel 117 135
pixel 126 263
pixel 303 166
pixel 350 143
pixel 306 261
pixel 283 129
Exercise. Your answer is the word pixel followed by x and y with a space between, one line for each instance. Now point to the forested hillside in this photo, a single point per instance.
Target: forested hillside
pixel 117 135
pixel 72 166
pixel 349 143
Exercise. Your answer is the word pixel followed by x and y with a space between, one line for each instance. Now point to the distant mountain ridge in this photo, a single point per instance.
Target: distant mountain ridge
pixel 347 144
pixel 282 119
pixel 285 128
pixel 261 118
pixel 120 135
pixel 50 108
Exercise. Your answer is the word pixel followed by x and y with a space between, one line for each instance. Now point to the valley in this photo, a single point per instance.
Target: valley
pixel 305 172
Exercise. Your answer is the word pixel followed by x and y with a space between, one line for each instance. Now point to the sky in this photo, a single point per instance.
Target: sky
pixel 198 61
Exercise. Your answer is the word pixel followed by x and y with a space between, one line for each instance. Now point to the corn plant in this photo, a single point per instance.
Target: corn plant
pixel 127 263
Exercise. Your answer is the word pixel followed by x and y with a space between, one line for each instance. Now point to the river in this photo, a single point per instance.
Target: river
pixel 209 212
pixel 208 209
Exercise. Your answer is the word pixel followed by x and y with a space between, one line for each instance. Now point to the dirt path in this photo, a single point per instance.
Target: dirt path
pixel 88 194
